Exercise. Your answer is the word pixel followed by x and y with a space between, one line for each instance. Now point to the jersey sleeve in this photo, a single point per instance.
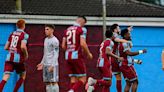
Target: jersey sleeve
pixel 81 32
pixel 126 47
pixel 10 38
pixel 84 32
pixel 110 45
pixel 64 36
pixel 43 58
pixel 56 52
pixel 25 39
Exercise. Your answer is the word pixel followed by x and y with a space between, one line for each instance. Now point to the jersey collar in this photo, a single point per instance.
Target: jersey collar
pixel 20 30
pixel 76 24
pixel 108 39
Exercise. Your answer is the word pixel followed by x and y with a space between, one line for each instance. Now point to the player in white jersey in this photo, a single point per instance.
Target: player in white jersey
pixel 49 63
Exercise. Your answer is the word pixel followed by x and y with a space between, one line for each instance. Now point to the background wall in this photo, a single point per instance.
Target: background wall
pixel 150 73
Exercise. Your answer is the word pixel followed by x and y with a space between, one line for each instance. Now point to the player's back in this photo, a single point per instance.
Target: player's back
pixel 73 48
pixel 115 47
pixel 15 40
pixel 108 43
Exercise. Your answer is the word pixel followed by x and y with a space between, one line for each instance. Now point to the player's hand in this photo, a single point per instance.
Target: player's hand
pixel 51 69
pixel 40 66
pixel 162 68
pixel 121 58
pixel 90 56
pixel 144 51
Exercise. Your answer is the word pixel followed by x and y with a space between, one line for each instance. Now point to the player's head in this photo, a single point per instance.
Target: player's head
pixel 130 28
pixel 49 29
pixel 125 33
pixel 21 24
pixel 81 20
pixel 108 34
pixel 115 28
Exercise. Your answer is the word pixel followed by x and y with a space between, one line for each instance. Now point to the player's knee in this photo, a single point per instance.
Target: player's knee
pixel 136 82
pixel 83 79
pixel 55 88
pixel 73 80
pixel 118 77
pixel 23 76
pixel 109 83
pixel 6 76
pixel 127 89
pixel 128 83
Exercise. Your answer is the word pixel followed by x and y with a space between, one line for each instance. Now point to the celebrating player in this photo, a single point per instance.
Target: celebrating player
pixel 74 44
pixel 104 65
pixel 126 66
pixel 115 63
pixel 17 54
pixel 49 63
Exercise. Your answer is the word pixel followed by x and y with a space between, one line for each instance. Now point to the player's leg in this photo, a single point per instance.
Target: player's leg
pixel 20 69
pixel 91 84
pixel 134 79
pixel 118 82
pixel 80 82
pixel 55 86
pixel 48 88
pixel 116 71
pixel 73 80
pixel 135 86
pixel 20 81
pixel 79 70
pixel 127 86
pixel 107 76
pixel 52 87
pixel 4 80
pixel 104 68
pixel 47 78
pixel 7 71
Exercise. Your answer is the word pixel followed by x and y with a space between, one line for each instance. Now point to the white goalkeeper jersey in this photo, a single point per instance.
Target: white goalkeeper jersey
pixel 51 51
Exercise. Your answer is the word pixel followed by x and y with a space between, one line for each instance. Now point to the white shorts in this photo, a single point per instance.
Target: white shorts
pixel 50 76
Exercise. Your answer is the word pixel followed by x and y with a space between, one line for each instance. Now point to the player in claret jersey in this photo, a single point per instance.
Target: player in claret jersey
pixel 17 54
pixel 126 66
pixel 115 63
pixel 104 65
pixel 74 44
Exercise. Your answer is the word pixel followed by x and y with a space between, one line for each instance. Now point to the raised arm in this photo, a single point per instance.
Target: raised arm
pixel 120 40
pixel 130 53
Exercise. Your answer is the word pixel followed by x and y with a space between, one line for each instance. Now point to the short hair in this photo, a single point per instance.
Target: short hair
pixel 20 23
pixel 124 31
pixel 50 26
pixel 108 34
pixel 83 17
pixel 114 26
